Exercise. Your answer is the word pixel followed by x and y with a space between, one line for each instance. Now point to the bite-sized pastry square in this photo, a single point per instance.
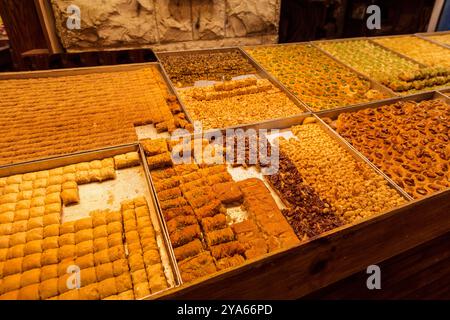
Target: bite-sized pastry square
pixel 151 257
pixel 70 169
pixel 41 183
pixel 33 247
pixel 67 251
pixel 65 266
pixel 143 222
pixel 123 282
pixel 70 295
pixel 50 256
pixel 11 189
pixel 48 288
pixel 49 272
pixel 83 166
pixel 140 202
pixel 154 146
pixel 35 234
pixel 127 295
pixel 67 239
pixel 130 225
pixel 7 228
pixel 116 253
pixel 53 218
pixel 134 248
pixel 70 196
pixel 51 231
pixel 114 227
pixel 67 227
pixel 154 269
pixel 10 283
pixel 69 185
pixel 104 271
pixel 50 243
pixel 83 177
pixel 4 242
pixel 120 266
pixel 107 288
pixel 7 207
pixel 196 267
pixel 86 261
pixel 23 204
pixel 36 212
pixel 95 175
pixel 108 162
pixel 120 162
pixel 39 193
pixel 15 179
pixel 6 217
pixel 107 173
pixel 54 180
pixel 30 277
pixel 89 292
pixel 157 282
pixel 52 189
pixel 36 222
pixel 148 243
pixel 84 235
pixel 52 198
pixel 127 205
pixel 26 186
pixel 115 239
pixel 88 276
pixel 8 198
pixel 16 251
pixel 85 223
pixel 100 232
pixel 84 248
pixel 132 237
pixel 17 238
pixel 25 195
pixel 135 262
pixel 100 244
pixel 19 226
pixel 54 208
pixel 69 177
pixel 31 261
pixel 96 164
pixel 98 218
pixel 101 257
pixel 66 282
pixel 56 172
pixel 113 216
pixel 30 292
pixel 141 290
pixel 142 212
pixel 129 214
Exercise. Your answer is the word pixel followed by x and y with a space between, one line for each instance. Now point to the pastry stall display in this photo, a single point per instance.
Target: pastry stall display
pixel 45 117
pixel 236 102
pixel 399 74
pixel 406 140
pixel 115 253
pixel 315 78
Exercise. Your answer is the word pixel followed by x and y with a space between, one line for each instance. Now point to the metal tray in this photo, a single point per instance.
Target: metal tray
pixel 425 36
pixel 90 70
pixel 373 84
pixel 260 72
pixel 133 178
pixel 333 114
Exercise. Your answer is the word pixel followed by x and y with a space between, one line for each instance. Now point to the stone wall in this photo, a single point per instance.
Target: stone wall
pixel 168 24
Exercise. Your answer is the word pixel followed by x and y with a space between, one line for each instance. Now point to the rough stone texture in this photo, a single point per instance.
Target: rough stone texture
pixel 208 19
pixel 168 24
pixel 103 26
pixel 246 17
pixel 174 20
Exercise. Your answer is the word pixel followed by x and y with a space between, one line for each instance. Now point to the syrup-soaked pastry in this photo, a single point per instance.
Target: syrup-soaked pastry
pixel 190 249
pixel 196 267
pixel 228 193
pixel 170 214
pixel 166 184
pixel 155 146
pixel 230 262
pixel 185 235
pixel 180 222
pixel 169 194
pixel 227 249
pixel 127 160
pixel 173 203
pixel 219 221
pixel 159 161
pixel 219 236
pixel 215 207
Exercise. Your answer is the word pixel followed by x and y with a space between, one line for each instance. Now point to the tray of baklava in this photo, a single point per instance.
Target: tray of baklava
pixel 82 227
